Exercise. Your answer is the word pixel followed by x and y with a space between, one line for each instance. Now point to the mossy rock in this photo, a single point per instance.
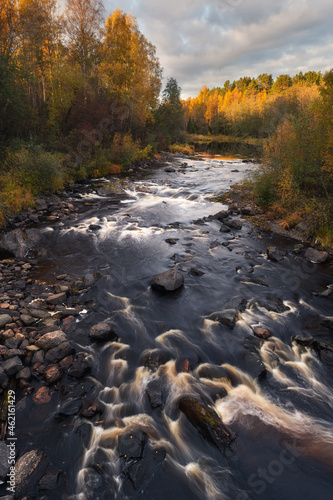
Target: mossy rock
pixel 207 422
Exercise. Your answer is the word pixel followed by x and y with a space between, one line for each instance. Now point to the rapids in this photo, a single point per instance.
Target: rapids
pixel 275 395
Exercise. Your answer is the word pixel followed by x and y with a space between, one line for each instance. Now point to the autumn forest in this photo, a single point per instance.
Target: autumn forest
pixel 81 96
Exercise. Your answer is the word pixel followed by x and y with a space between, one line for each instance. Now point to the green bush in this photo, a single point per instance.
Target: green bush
pixel 33 167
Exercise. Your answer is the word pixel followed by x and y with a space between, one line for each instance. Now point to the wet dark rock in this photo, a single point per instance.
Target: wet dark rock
pixel 270 303
pixel 4 456
pixel 28 470
pixel 42 396
pixel 142 472
pixel 154 393
pixel 298 248
pixel 38 313
pixel 224 228
pixel 196 272
pixel 98 486
pixel 255 281
pixel 70 408
pixel 207 422
pixel 57 353
pixel 91 410
pixel 19 242
pixel 51 340
pixel 13 343
pixel 52 374
pixel 234 224
pixel 184 366
pixel 254 365
pixel 227 317
pixel 199 222
pixel 171 241
pixel 84 432
pixel 247 210
pixel 5 319
pixel 322 344
pixel 95 227
pixel 131 444
pixel 80 366
pixel 168 281
pixel 169 169
pixel 102 332
pixel 212 371
pixel 25 374
pixel 154 358
pixel 12 365
pixel 50 480
pixel 262 333
pixel 274 254
pixel 66 362
pixel 315 256
pixel 221 216
pixel 304 341
pixel 57 298
pixel 27 319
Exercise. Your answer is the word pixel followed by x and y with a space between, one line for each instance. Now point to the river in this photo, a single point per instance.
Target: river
pixel 274 394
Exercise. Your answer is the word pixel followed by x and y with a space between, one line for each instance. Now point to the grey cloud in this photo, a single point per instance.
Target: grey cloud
pixel 200 42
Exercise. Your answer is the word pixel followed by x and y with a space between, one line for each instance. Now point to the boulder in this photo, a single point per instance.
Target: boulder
pixel 27 319
pixel 80 367
pixel 207 422
pixel 131 444
pixel 260 332
pixel 168 281
pixel 51 340
pixel 57 298
pixel 20 242
pixel 61 351
pixel 274 254
pixel 171 241
pixel 227 317
pixel 50 480
pixel 140 473
pixel 315 256
pixel 221 216
pixel 234 224
pixel 12 365
pixel 42 396
pixel 28 470
pixel 102 332
pixel 154 393
pixel 70 408
pixel 154 358
pixel 5 319
pixel 52 374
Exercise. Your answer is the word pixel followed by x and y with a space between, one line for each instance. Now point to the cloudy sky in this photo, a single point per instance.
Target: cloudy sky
pixel 207 42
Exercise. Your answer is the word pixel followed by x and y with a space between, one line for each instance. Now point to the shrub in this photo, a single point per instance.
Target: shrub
pixel 36 169
pixel 186 149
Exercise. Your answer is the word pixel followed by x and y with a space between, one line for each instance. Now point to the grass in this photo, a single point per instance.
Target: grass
pixel 186 149
pixel 205 139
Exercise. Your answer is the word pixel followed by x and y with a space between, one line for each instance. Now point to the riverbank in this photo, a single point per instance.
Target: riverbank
pixel 242 197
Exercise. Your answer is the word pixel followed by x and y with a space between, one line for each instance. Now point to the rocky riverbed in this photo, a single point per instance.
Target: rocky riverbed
pixel 144 330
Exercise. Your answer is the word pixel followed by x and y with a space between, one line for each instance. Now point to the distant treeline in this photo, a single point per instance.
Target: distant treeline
pixel 251 107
